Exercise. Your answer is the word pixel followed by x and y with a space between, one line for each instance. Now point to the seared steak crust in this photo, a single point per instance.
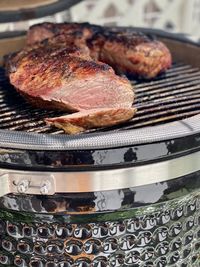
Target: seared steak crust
pixel 131 53
pixel 63 77
pixel 126 51
pixel 39 32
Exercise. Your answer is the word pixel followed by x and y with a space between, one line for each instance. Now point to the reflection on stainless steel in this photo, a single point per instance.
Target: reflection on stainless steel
pixel 109 200
pixel 93 181
pixel 153 194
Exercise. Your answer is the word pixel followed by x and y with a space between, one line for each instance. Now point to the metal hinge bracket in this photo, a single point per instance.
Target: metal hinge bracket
pixel 26 183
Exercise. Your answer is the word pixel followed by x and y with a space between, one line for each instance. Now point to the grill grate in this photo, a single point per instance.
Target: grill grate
pixel 173 96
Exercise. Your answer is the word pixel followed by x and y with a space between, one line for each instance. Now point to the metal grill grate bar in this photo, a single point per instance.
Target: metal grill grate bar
pixel 184 100
pixel 164 94
pixel 193 77
pixel 165 119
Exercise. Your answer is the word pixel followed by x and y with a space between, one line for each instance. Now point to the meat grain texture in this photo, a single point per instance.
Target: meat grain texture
pixel 68 67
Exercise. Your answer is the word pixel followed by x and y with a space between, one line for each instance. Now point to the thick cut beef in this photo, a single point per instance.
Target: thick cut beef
pixel 54 75
pixel 57 74
pixel 39 32
pixel 126 51
pixel 72 44
pixel 93 118
pixel 75 39
pixel 130 52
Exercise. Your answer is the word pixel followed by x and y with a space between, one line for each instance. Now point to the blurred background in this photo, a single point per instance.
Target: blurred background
pixel 172 15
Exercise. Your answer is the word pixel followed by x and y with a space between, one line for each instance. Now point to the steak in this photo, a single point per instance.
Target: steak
pixel 131 53
pixel 39 32
pixel 126 51
pixel 57 75
pixel 93 118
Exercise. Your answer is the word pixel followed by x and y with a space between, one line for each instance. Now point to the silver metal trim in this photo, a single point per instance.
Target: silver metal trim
pixel 79 182
pixel 169 131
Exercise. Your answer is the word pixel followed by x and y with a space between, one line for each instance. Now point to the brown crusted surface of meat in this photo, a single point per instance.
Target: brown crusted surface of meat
pixel 94 118
pixel 39 32
pixel 131 53
pixel 66 78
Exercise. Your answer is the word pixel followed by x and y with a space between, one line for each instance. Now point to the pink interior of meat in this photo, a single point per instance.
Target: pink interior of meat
pixel 101 91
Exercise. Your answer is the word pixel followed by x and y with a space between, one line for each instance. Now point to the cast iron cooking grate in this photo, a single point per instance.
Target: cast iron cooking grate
pixel 172 96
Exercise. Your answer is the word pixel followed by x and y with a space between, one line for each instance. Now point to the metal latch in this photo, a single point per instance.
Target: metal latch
pixel 27 183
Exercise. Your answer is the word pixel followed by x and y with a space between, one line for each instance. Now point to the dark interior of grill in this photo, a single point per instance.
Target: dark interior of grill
pixel 172 96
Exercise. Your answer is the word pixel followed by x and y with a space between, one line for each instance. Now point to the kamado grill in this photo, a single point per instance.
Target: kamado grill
pixel 128 195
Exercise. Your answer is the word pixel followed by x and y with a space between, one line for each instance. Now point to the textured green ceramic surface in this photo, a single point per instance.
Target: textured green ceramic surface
pixel 167 234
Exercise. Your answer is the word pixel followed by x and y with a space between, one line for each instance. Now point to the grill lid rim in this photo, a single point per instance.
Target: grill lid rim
pixel 35 141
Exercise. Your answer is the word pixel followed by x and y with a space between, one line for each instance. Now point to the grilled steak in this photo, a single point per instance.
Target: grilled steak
pixel 131 53
pixel 126 51
pixel 39 32
pixel 93 118
pixel 54 75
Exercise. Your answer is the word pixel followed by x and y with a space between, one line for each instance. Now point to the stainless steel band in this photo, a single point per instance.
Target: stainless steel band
pixel 49 183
